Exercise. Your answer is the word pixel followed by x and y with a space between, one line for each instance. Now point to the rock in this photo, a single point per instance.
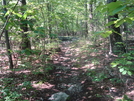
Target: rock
pixel 75 89
pixel 60 96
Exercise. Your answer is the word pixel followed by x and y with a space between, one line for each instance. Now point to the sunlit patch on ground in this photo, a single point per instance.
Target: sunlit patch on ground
pixel 131 94
pixel 39 85
pixel 72 65
pixel 23 71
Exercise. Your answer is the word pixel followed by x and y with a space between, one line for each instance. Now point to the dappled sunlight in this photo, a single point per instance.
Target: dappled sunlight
pixel 39 85
pixel 23 71
pixel 130 94
pixel 88 66
pixel 70 67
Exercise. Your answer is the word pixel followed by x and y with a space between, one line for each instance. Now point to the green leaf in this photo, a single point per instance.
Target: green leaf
pixel 114 5
pixel 129 73
pixel 24 16
pixel 109 23
pixel 36 31
pixel 129 63
pixel 131 14
pixel 121 69
pixel 27 52
pixel 118 9
pixel 114 64
pixel 129 20
pixel 30 12
pixel 53 35
pixel 125 98
pixel 100 7
pixel 19 15
pixel 40 28
pixel 129 57
pixel 7 13
pixel 119 22
pixel 124 72
pixel 104 34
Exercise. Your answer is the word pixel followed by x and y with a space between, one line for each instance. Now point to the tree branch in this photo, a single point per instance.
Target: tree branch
pixel 8 17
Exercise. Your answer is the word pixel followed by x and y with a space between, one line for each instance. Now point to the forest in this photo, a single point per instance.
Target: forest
pixel 66 50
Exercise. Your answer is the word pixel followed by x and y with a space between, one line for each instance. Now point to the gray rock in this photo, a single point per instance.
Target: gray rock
pixel 75 89
pixel 60 96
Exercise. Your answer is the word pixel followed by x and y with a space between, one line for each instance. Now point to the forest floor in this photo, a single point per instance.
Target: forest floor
pixel 72 66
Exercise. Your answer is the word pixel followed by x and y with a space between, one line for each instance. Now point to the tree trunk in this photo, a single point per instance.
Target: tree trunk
pixel 49 20
pixel 91 16
pixel 7 40
pixel 86 19
pixel 116 42
pixel 25 44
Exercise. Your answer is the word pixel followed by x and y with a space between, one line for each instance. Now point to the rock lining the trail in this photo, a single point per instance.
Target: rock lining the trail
pixel 67 78
pixel 60 96
pixel 73 90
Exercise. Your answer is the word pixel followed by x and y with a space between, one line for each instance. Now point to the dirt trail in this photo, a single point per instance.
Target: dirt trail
pixel 68 73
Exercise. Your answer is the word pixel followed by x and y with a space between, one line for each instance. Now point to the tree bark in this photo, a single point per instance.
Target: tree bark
pixel 91 16
pixel 86 19
pixel 25 44
pixel 116 42
pixel 7 40
pixel 49 20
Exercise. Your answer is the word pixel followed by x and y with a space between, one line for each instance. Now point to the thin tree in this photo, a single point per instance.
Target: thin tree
pixel 7 39
pixel 86 18
pixel 91 15
pixel 49 18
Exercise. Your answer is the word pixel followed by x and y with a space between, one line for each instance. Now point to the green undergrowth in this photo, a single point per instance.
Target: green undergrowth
pixel 125 63
pixel 37 63
pixel 10 89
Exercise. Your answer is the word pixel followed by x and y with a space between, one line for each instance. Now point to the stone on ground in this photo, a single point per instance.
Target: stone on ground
pixel 60 96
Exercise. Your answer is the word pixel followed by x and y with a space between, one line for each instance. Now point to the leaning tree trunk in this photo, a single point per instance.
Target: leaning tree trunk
pixel 25 44
pixel 116 42
pixel 7 40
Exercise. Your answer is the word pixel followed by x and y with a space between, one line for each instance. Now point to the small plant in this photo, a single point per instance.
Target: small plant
pixel 8 95
pixel 7 90
pixel 96 76
pixel 26 84
pixel 98 95
pixel 37 72
pixel 7 81
pixel 48 67
pixel 125 98
pixel 116 80
pixel 95 62
pixel 125 64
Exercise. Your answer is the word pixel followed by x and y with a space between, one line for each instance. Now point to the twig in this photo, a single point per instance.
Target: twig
pixel 5 24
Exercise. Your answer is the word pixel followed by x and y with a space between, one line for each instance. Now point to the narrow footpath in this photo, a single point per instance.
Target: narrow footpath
pixel 70 78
